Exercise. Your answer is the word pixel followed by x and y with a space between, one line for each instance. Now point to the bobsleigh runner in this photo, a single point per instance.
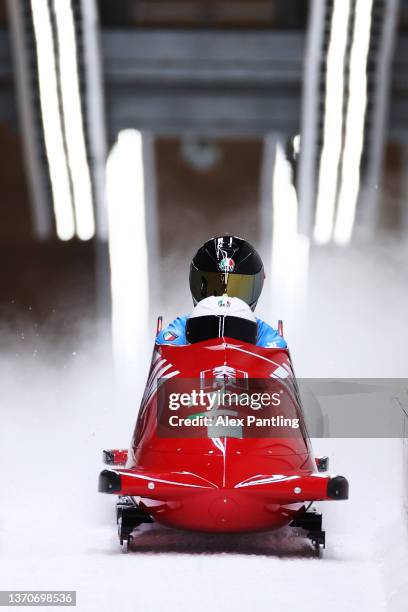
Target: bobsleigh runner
pixel 220 443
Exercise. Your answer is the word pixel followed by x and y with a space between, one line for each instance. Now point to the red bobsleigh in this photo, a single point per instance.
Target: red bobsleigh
pixel 214 467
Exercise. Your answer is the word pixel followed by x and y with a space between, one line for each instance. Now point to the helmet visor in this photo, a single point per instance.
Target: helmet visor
pixel 246 287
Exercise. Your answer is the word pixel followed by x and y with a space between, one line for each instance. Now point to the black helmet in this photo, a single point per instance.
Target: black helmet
pixel 230 265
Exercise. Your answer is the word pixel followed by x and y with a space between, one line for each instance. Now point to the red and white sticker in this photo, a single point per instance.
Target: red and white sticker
pixel 227 264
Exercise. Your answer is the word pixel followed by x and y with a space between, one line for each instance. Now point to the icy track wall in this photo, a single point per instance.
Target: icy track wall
pixel 60 410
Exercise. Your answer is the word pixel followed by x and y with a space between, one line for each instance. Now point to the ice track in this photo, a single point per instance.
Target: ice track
pixel 57 532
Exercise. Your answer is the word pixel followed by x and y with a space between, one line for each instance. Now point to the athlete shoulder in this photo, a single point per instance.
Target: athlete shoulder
pixel 268 337
pixel 174 333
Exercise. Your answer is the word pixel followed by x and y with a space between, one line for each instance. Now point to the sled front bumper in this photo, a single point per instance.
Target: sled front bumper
pixel 280 489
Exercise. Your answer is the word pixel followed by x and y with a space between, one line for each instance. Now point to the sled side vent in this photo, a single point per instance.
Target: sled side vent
pixel 115 456
pixel 322 463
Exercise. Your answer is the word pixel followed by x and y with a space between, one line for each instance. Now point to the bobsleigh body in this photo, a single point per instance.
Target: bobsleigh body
pixel 219 479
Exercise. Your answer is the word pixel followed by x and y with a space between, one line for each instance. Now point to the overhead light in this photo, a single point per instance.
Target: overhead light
pixel 355 119
pixel 284 201
pixel 290 251
pixel 73 120
pixel 51 120
pixel 296 144
pixel 333 120
pixel 128 252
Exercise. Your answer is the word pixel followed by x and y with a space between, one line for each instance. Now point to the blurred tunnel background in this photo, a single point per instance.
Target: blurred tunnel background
pixel 133 131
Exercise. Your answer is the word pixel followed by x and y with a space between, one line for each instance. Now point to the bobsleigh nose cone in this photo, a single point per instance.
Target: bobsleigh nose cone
pixel 224 510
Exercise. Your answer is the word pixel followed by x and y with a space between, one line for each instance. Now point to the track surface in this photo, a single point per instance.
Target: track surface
pixel 58 533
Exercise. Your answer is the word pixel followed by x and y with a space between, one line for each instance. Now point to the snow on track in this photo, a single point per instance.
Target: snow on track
pixel 57 532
